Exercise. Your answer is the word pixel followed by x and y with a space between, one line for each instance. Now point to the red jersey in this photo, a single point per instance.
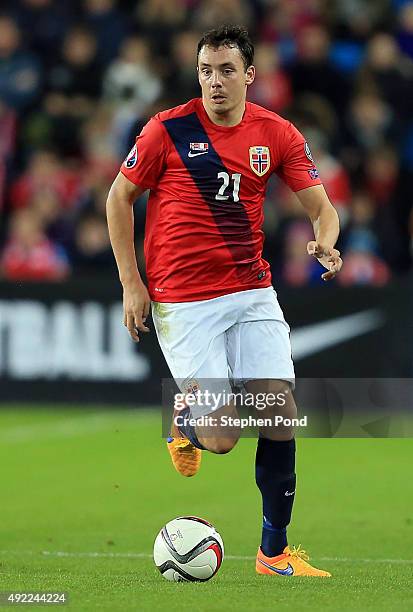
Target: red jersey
pixel 203 235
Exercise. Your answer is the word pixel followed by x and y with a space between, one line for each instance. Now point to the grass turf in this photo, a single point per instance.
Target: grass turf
pixel 84 493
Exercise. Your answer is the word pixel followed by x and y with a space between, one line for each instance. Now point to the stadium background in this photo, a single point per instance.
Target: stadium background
pixel 78 80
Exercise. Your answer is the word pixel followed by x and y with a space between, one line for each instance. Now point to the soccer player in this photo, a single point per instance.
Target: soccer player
pixel 207 163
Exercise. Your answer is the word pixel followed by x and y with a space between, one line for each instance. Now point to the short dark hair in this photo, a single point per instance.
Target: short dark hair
pixel 229 36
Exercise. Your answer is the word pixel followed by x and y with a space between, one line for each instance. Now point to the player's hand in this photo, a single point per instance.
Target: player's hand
pixel 327 256
pixel 136 304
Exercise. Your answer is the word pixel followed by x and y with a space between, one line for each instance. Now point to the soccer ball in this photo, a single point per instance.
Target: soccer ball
pixel 188 549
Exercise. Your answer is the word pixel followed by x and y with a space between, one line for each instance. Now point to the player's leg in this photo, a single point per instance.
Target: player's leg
pixel 211 431
pixel 217 437
pixel 260 349
pixel 192 339
pixel 262 358
pixel 276 480
pixel 275 461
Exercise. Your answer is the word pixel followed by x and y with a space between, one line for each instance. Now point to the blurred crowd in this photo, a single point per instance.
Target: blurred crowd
pixel 79 79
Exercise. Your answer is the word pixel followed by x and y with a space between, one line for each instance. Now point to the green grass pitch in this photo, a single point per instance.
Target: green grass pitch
pixel 84 493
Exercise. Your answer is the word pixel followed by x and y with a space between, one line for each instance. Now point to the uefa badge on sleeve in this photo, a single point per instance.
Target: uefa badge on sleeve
pixel 313 172
pixel 132 157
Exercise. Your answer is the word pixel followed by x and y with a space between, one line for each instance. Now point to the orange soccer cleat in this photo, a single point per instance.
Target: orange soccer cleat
pixel 292 562
pixel 185 456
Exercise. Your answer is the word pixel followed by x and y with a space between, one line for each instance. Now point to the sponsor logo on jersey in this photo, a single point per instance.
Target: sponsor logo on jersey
pixel 197 148
pixel 260 159
pixel 308 152
pixel 313 173
pixel 132 158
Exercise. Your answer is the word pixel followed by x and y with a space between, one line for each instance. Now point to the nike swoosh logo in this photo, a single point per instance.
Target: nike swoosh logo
pixel 288 493
pixel 312 339
pixel 190 154
pixel 288 571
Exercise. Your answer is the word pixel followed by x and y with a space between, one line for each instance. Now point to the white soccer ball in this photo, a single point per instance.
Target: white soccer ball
pixel 188 548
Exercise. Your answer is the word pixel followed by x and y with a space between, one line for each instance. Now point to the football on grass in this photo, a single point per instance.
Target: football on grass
pixel 188 548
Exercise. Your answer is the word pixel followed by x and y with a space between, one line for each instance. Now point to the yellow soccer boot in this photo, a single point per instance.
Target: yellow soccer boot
pixel 292 562
pixel 185 456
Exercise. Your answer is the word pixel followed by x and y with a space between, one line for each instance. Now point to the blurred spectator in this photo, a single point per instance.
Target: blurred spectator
pixel 7 143
pixel 272 87
pixel 7 131
pixel 363 268
pixel 56 124
pixel 58 223
pixel 283 20
pixel 356 20
pixel 44 23
pixel 92 248
pixel 313 112
pixel 369 123
pixel 130 82
pixel 158 20
pixel 362 249
pixel 108 25
pixel 388 73
pixel 3 175
pixel 29 254
pixel 212 13
pixel 20 73
pixel 313 71
pixel 100 148
pixel 131 86
pixel 45 173
pixel 405 33
pixel 382 174
pixel 77 72
pixel 182 81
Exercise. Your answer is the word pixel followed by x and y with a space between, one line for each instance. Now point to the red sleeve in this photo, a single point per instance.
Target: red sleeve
pixel 297 168
pixel 145 162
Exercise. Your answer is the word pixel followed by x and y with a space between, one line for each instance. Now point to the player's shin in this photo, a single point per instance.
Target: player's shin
pixel 275 477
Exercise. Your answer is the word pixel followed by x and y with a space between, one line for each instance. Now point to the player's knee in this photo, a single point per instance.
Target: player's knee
pixel 281 434
pixel 220 446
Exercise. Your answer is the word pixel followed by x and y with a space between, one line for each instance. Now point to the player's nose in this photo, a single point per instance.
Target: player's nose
pixel 215 80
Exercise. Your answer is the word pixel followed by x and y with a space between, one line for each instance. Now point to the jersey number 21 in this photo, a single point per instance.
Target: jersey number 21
pixel 224 176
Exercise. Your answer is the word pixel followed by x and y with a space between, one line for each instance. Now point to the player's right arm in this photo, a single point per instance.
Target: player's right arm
pixel 119 210
pixel 140 171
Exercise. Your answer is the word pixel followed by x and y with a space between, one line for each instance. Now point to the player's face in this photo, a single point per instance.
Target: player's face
pixel 223 79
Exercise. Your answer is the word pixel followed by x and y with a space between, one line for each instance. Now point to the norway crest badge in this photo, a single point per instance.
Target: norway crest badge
pixel 260 159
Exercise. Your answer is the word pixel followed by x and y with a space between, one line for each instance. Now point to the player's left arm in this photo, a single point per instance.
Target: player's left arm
pixel 326 226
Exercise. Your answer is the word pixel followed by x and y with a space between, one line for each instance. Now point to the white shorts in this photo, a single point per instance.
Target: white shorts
pixel 232 338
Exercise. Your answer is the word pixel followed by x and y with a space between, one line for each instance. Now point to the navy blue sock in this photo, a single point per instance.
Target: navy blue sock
pixel 186 429
pixel 275 477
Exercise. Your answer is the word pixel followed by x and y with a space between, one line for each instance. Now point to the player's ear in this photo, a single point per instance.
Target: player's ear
pixel 250 75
